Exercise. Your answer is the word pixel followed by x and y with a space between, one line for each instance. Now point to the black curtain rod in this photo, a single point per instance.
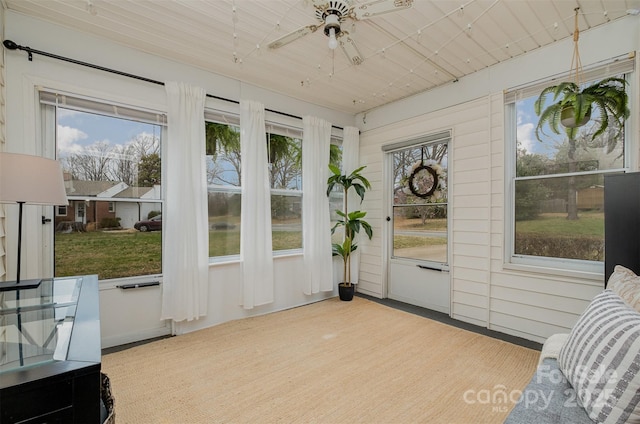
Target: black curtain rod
pixel 30 52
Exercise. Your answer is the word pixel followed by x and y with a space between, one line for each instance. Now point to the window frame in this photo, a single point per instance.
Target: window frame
pixel 276 128
pixel 224 118
pixel 436 138
pixel 589 270
pixel 283 125
pixel 53 99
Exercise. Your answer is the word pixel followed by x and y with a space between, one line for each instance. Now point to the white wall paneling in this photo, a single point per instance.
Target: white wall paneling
pixel 532 304
pixel 133 314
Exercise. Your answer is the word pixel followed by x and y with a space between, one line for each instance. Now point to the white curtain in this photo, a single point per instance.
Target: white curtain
pixel 256 252
pixel 316 226
pixel 350 162
pixel 185 264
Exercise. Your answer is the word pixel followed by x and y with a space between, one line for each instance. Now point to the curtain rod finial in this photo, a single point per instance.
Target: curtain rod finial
pixel 10 44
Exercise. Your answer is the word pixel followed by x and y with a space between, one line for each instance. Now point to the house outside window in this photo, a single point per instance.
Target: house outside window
pixel 557 185
pixel 61 210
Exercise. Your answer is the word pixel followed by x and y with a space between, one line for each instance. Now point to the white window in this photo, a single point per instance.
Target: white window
pixel 284 148
pixel 107 151
pixel 556 184
pixel 223 182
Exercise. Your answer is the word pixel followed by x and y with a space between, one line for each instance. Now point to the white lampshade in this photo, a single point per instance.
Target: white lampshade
pixel 31 179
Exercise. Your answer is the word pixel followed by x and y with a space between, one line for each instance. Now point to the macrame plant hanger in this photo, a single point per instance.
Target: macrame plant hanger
pixel 576 64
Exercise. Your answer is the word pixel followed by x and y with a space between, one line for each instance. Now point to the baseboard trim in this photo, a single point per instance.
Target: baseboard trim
pixel 446 319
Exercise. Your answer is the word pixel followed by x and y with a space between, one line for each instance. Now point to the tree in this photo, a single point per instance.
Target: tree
pixel 149 170
pixel 530 193
pixel 124 165
pixel 285 158
pixel 335 155
pixel 92 164
pixel 403 162
pixel 606 100
pixel 223 143
pixel 582 152
pixel 128 158
pixel 103 161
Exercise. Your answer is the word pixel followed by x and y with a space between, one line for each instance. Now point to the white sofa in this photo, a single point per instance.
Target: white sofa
pixel 591 374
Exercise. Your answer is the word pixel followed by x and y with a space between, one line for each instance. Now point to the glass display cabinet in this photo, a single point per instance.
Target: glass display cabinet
pixel 50 352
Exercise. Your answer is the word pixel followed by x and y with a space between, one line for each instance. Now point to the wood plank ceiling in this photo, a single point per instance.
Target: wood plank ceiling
pixel 432 43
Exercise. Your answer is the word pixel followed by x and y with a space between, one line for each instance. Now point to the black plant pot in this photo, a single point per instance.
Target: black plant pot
pixel 346 292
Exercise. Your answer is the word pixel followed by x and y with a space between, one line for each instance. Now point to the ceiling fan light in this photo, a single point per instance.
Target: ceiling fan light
pixel 331 29
pixel 333 43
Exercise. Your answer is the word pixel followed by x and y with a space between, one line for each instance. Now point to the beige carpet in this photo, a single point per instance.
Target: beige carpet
pixel 330 362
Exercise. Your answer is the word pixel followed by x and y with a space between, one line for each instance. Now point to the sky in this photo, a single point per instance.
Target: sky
pixel 526 125
pixel 77 130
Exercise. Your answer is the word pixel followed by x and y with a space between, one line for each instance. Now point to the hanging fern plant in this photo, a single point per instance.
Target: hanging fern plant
pixel 573 106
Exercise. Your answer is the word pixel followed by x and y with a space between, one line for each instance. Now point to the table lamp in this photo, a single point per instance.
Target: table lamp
pixel 31 180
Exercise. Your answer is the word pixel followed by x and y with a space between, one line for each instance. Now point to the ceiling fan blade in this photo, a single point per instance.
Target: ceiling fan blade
pixel 292 36
pixel 380 7
pixel 320 3
pixel 350 49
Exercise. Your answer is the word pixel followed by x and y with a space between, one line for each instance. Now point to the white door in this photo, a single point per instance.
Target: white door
pixel 80 212
pixel 418 223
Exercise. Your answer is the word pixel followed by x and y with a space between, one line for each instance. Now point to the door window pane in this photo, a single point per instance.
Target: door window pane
pixel 420 203
pixel 420 232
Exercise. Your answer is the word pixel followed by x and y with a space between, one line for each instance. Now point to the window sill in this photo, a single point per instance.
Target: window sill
pixel 235 259
pixel 590 278
pixel 226 260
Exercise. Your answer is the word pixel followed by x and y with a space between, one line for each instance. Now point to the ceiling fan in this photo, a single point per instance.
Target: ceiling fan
pixel 333 13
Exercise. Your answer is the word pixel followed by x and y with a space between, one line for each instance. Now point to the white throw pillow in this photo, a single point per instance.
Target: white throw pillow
pixel 626 284
pixel 601 360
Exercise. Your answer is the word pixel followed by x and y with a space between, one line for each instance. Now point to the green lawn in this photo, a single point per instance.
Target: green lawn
pixel 552 235
pixel 589 224
pixel 110 254
pixel 432 224
pixel 404 242
pixel 116 254
pixel 222 243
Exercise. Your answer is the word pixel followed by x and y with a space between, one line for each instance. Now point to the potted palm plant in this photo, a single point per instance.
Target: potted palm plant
pixel 573 105
pixel 352 222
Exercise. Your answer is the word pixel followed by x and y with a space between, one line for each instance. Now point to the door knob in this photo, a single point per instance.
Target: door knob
pixel 388 218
